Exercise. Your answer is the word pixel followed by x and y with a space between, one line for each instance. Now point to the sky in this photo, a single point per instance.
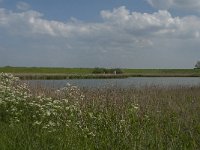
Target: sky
pixel 100 33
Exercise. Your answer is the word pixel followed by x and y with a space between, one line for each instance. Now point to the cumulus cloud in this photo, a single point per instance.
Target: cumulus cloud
pixel 23 6
pixel 180 4
pixel 122 35
pixel 158 24
pixel 120 20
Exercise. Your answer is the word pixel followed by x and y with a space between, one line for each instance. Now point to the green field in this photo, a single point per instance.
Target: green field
pixel 45 70
pixel 65 73
pixel 163 71
pixel 150 118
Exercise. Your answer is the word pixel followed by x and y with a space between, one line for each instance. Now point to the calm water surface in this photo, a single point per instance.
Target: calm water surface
pixel 126 82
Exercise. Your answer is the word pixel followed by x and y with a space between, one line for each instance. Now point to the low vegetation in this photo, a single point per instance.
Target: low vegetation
pixel 197 66
pixel 112 118
pixel 107 71
pixel 31 73
pixel 44 70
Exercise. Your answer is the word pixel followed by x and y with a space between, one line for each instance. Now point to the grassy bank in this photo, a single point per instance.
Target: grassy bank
pixel 113 118
pixel 95 76
pixel 85 73
pixel 45 70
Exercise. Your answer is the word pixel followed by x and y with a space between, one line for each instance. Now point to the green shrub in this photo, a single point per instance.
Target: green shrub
pixel 99 70
pixel 107 71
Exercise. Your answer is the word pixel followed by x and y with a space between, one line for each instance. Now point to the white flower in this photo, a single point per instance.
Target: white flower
pixel 48 113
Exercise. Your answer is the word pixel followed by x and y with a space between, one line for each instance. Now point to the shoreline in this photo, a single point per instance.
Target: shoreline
pixel 47 73
pixel 93 76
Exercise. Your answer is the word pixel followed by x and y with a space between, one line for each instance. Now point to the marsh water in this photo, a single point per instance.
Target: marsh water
pixel 125 82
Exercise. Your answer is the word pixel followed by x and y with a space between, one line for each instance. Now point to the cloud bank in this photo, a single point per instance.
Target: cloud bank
pixel 122 39
pixel 129 25
pixel 177 4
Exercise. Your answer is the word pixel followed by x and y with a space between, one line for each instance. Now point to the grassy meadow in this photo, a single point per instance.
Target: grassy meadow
pixel 84 73
pixel 110 118
pixel 45 70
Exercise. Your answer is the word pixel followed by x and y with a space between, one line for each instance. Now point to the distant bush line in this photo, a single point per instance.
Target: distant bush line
pixel 107 71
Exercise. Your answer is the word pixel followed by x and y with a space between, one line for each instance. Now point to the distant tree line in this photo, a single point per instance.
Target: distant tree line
pixel 107 71
pixel 197 66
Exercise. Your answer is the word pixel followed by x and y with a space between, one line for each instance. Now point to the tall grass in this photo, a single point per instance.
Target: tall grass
pixel 109 118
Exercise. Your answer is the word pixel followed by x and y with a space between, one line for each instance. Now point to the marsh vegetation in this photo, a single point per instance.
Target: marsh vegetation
pixel 107 118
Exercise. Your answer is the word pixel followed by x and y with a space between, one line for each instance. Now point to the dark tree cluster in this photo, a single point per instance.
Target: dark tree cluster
pixel 197 66
pixel 107 71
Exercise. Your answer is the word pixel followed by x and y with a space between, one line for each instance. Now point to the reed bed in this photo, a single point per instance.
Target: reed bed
pixel 105 118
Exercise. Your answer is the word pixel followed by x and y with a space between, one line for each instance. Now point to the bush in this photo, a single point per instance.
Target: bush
pixel 107 71
pixel 99 70
pixel 197 66
pixel 19 105
pixel 117 70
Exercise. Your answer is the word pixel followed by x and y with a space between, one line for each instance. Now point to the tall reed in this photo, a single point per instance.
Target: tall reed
pixel 109 118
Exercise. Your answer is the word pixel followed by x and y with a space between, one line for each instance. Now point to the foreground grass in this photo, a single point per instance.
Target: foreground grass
pixel 113 118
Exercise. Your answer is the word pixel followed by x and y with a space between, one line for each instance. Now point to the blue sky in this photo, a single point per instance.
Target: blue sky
pixel 100 33
pixel 87 10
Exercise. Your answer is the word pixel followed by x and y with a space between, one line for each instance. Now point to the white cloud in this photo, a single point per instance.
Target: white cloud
pixel 130 25
pixel 23 6
pixel 158 24
pixel 193 5
pixel 122 35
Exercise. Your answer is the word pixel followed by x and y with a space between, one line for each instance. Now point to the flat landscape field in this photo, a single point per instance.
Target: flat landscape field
pixel 45 70
pixel 75 73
